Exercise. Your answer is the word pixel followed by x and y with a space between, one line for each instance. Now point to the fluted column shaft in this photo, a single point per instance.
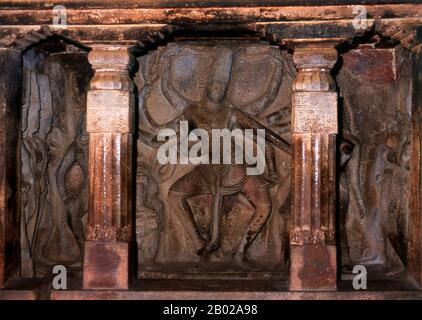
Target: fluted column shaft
pixel 314 126
pixel 110 116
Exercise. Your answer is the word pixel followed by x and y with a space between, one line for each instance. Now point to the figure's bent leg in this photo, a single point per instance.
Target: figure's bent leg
pixel 183 212
pixel 256 192
pixel 215 226
pixel 188 186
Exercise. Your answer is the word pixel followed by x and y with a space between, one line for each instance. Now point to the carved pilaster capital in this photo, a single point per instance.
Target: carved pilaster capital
pixel 314 64
pixel 110 57
pixel 314 80
pixel 314 98
pixel 110 101
pixel 112 65
pixel 315 56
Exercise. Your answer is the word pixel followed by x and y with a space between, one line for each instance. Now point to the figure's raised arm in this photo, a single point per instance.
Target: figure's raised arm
pixel 247 122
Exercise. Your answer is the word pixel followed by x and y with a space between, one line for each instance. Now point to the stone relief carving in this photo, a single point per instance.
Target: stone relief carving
pixel 53 154
pixel 213 218
pixel 375 154
pixel 203 219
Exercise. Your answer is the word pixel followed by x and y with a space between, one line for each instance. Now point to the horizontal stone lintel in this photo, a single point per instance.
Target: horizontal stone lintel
pixel 134 11
pixel 142 32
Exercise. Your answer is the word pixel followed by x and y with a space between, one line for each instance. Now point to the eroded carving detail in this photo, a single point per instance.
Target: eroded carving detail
pixel 54 158
pixel 375 155
pixel 104 233
pixel 213 217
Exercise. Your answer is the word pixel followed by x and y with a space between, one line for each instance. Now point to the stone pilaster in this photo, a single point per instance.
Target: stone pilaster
pixel 314 127
pixel 110 116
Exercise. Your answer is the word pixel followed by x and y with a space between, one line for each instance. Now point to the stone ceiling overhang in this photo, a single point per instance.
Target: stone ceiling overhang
pixel 138 23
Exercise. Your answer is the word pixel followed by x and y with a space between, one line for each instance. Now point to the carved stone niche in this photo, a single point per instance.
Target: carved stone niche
pixel 375 148
pixel 53 148
pixel 184 228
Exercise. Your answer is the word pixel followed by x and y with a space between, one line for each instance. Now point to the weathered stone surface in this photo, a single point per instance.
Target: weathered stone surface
pixel 179 235
pixel 375 159
pixel 17 295
pixel 236 295
pixel 54 178
pixel 106 265
pixel 414 252
pixel 313 267
pixel 314 126
pixel 109 230
pixel 10 77
pixel 203 62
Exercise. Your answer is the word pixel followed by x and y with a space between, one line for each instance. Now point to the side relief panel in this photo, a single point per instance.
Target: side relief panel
pixel 375 160
pixel 54 158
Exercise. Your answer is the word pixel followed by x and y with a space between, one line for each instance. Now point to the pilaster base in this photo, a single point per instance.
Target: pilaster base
pixel 313 268
pixel 106 265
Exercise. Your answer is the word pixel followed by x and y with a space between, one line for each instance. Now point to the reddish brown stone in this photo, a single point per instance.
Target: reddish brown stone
pixel 313 268
pixel 110 114
pixel 234 295
pixel 414 254
pixel 17 295
pixel 379 170
pixel 311 31
pixel 106 265
pixel 314 126
pixel 378 65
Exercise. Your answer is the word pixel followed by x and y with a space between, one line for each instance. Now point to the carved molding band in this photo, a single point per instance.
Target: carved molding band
pixel 314 112
pixel 102 233
pixel 302 237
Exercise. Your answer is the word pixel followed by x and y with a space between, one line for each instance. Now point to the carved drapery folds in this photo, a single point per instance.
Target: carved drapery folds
pixel 110 104
pixel 54 199
pixel 314 126
pixel 375 148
